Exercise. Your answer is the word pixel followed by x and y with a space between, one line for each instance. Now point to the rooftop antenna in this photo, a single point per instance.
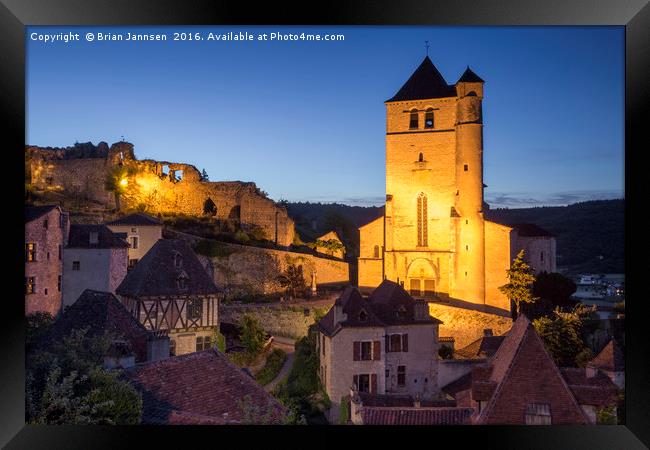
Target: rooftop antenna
pixel 426 44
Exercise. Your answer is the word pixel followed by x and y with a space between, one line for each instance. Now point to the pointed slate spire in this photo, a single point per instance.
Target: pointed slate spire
pixel 425 82
pixel 470 77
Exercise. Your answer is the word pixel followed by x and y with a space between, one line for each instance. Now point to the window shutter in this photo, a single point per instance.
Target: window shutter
pixel 376 350
pixel 356 351
pixel 387 344
pixel 355 381
pixel 405 342
pixel 373 383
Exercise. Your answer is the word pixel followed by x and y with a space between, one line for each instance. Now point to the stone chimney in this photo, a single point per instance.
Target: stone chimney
pixel 416 402
pixel 355 407
pixel 421 310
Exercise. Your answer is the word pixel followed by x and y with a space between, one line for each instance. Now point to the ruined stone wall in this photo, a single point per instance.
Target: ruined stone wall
pixel 161 186
pixel 466 325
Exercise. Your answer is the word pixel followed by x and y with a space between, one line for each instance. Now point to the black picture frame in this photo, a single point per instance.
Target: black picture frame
pixel 15 15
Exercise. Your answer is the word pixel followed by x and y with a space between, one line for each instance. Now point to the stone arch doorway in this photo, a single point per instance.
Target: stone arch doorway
pixel 209 207
pixel 422 278
pixel 235 213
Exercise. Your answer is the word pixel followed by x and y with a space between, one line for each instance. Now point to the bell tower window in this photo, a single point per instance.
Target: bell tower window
pixel 422 220
pixel 413 122
pixel 421 158
pixel 428 118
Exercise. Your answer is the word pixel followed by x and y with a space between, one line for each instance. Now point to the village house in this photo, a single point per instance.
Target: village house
pixel 201 388
pixel 102 314
pixel 611 362
pixel 170 290
pixel 520 384
pixel 94 258
pixel 142 232
pixel 383 344
pixel 329 238
pixel 46 234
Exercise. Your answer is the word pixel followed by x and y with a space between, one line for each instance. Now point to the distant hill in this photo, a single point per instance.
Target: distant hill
pixel 590 235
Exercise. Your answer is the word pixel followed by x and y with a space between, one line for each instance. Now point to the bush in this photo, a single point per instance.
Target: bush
pixel 242 237
pixel 445 352
pixel 253 335
pixel 212 249
pixel 344 416
pixel 272 368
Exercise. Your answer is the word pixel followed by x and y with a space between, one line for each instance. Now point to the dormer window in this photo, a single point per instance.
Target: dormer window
pixel 401 312
pixel 413 119
pixel 428 118
pixel 178 260
pixel 181 281
pixel 363 316
pixel 94 237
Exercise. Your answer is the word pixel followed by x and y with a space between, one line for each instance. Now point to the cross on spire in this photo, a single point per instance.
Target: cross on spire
pixel 426 44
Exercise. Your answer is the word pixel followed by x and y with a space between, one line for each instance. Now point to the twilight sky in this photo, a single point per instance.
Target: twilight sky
pixel 305 120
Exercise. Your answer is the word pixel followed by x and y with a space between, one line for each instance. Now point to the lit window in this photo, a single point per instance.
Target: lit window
pixel 76 265
pixel 362 382
pixel 30 252
pixel 401 375
pixel 30 285
pixel 465 167
pixel 428 118
pixel 413 122
pixel 422 220
pixel 194 308
pixel 538 414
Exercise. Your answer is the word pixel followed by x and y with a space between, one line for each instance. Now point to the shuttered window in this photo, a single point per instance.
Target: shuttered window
pixel 405 342
pixel 356 351
pixel 376 350
pixel 538 414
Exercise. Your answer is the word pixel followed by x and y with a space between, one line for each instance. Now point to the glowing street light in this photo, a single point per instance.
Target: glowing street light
pixel 124 182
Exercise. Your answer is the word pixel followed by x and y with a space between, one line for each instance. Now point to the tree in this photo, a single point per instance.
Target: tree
pixel 553 290
pixel 562 336
pixel 66 384
pixel 445 352
pixel 519 288
pixel 37 325
pixel 292 279
pixel 253 335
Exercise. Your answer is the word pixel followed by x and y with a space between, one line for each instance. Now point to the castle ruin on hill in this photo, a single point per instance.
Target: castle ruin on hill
pixel 160 186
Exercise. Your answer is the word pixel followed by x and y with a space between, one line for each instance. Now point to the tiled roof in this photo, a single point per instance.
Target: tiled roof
pixel 610 358
pixel 399 401
pixel 460 384
pixel 484 346
pixel 597 390
pixel 523 372
pixel 80 237
pixel 470 77
pixel 156 273
pixel 530 230
pixel 426 82
pixel 381 309
pixel 101 312
pixel 415 416
pixel 34 212
pixel 198 388
pixel 139 219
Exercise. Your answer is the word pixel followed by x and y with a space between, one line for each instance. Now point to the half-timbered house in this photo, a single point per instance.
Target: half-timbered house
pixel 170 290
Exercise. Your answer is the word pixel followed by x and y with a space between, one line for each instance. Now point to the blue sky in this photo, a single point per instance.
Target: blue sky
pixel 305 120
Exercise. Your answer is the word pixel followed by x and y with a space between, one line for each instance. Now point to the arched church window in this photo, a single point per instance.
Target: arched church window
pixel 421 158
pixel 413 122
pixel 376 252
pixel 428 118
pixel 422 220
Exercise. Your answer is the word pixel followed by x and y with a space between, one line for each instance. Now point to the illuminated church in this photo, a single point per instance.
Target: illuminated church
pixel 433 238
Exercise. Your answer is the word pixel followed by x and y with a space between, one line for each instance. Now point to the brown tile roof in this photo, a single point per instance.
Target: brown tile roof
pixel 460 384
pixel 425 82
pixel 139 219
pixel 198 388
pixel 530 229
pixel 381 308
pixel 524 373
pixel 101 312
pixel 597 390
pixel 157 274
pixel 399 401
pixel 415 416
pixel 34 212
pixel 482 347
pixel 80 237
pixel 610 358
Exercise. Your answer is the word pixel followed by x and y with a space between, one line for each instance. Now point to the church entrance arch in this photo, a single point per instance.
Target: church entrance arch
pixel 422 277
